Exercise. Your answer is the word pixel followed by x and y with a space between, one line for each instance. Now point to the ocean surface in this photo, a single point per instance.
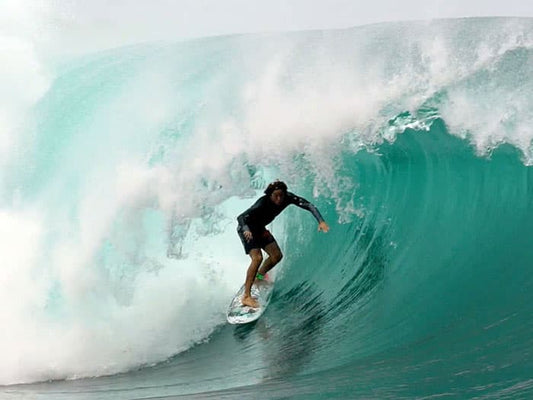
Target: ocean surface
pixel 122 173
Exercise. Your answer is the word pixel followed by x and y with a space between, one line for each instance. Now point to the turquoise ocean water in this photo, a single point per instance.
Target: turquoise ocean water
pixel 119 196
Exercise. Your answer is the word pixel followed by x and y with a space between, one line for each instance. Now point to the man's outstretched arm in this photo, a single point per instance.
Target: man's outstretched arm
pixel 307 205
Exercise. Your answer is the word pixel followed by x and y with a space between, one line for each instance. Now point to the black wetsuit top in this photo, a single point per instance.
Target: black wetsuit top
pixel 263 212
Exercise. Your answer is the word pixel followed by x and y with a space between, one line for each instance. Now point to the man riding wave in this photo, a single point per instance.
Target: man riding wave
pixel 254 235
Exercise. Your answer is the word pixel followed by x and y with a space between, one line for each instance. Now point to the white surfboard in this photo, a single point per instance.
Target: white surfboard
pixel 240 314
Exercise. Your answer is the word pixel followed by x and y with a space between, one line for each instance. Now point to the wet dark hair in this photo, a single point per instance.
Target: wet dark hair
pixel 275 186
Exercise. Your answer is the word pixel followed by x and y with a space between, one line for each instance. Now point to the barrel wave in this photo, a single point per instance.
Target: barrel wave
pixel 123 182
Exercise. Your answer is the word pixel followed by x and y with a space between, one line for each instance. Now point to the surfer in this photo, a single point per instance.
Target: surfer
pixel 254 235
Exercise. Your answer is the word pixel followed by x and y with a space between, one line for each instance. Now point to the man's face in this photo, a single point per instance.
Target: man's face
pixel 277 197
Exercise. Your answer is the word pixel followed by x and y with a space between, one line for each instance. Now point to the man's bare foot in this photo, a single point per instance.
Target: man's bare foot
pixel 249 301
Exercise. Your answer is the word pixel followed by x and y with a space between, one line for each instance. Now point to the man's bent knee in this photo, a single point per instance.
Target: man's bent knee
pixel 256 257
pixel 276 257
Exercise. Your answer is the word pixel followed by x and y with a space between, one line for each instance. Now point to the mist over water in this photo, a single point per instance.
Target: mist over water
pixel 123 171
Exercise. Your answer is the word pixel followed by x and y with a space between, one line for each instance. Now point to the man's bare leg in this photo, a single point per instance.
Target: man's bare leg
pixel 257 258
pixel 274 257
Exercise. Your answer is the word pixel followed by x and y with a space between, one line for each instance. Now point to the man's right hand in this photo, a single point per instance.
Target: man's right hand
pixel 248 235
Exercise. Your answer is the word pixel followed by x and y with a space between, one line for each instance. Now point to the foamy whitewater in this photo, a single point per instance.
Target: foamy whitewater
pixel 122 173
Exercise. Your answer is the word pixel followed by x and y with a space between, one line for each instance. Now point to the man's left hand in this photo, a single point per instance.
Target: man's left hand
pixel 323 227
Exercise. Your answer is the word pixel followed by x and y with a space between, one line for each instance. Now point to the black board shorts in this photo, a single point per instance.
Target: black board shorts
pixel 260 239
